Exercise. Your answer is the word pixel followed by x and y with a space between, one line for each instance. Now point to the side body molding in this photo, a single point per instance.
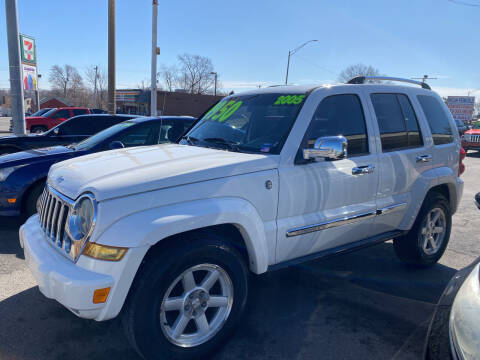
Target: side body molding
pixel 148 227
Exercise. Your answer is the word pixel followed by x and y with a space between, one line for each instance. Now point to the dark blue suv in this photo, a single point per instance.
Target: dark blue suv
pixel 23 174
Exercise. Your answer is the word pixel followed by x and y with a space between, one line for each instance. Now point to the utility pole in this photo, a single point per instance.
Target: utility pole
pixel 95 88
pixel 111 57
pixel 155 52
pixel 215 89
pixel 16 83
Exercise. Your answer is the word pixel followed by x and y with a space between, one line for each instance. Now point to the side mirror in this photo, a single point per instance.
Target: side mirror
pixel 56 131
pixel 116 145
pixel 328 147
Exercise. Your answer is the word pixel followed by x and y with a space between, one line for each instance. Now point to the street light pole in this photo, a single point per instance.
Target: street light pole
pixel 153 86
pixel 38 91
pixel 292 52
pixel 112 108
pixel 16 83
pixel 215 88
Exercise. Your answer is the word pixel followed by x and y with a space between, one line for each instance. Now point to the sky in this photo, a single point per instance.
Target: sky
pixel 248 41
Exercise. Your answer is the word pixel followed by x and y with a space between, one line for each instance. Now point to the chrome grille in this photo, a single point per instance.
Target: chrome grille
pixel 53 213
pixel 474 138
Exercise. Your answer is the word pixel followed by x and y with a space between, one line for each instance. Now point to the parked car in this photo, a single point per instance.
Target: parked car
pixel 461 126
pixel 168 235
pixel 35 114
pixel 23 174
pixel 454 330
pixel 471 138
pixel 50 119
pixel 73 130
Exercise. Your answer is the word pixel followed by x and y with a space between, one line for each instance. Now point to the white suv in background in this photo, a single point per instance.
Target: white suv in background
pixel 167 235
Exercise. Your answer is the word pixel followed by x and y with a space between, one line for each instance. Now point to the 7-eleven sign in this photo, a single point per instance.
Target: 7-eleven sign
pixel 27 49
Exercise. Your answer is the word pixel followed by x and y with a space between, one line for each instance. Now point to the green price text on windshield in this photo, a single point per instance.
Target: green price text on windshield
pixel 289 100
pixel 223 110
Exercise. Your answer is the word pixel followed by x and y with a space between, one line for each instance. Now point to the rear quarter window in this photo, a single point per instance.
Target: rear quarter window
pixel 437 119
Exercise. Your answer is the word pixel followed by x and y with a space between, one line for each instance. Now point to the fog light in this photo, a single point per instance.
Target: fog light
pixel 100 295
pixel 104 252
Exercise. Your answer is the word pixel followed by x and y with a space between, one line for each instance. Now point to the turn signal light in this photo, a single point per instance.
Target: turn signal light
pixel 100 295
pixel 12 201
pixel 104 252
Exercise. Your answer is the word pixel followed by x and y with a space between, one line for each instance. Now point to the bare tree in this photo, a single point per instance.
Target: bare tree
pixel 169 75
pixel 357 70
pixel 96 79
pixel 66 80
pixel 195 73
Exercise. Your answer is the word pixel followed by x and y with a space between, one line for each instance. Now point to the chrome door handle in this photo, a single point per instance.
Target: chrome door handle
pixel 424 158
pixel 361 170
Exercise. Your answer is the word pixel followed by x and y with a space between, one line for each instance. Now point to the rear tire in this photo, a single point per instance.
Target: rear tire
pixel 38 129
pixel 164 297
pixel 426 242
pixel 32 198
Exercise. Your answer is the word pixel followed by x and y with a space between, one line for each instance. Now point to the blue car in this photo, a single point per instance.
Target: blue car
pixel 23 174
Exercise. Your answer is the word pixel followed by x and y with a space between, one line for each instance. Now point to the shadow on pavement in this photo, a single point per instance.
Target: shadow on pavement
pixel 9 235
pixel 361 305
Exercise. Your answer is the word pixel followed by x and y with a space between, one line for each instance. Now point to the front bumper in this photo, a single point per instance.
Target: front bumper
pixel 468 145
pixel 73 284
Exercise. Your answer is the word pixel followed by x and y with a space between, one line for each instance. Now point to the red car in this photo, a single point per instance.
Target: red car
pixel 39 124
pixel 471 138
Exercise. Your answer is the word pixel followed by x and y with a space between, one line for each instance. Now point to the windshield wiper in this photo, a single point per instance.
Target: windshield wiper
pixel 231 145
pixel 191 140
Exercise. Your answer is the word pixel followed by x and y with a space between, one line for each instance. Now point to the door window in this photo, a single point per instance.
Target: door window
pixel 338 115
pixel 397 122
pixel 76 126
pixel 141 134
pixel 61 114
pixel 437 119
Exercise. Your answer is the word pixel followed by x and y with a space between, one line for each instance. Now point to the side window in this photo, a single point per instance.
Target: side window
pixel 74 126
pixel 338 115
pixel 397 122
pixel 142 134
pixel 79 112
pixel 437 119
pixel 62 114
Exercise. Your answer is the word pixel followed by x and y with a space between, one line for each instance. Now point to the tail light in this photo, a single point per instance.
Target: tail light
pixel 461 165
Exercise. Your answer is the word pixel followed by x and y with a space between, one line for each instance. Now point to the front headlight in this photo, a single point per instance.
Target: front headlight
pixel 80 222
pixel 5 172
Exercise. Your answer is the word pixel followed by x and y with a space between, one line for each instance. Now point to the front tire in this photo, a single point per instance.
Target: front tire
pixel 426 242
pixel 187 299
pixel 38 129
pixel 33 196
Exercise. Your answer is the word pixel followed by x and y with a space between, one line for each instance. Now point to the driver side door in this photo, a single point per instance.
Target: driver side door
pixel 325 204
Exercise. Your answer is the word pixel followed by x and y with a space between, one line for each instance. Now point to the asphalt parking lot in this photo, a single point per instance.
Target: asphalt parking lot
pixel 361 305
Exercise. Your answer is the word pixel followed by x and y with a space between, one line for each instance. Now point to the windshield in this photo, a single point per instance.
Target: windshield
pixel 102 135
pixel 49 112
pixel 40 112
pixel 250 123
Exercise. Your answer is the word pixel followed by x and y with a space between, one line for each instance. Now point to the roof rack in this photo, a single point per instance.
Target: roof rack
pixel 363 79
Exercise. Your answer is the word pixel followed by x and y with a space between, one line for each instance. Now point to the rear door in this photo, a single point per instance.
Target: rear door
pixel 326 204
pixel 403 157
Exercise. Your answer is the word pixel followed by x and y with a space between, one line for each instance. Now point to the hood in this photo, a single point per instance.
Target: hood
pixel 28 156
pixel 123 172
pixel 473 132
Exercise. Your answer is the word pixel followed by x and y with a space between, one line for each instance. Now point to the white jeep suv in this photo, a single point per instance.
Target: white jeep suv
pixel 168 235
